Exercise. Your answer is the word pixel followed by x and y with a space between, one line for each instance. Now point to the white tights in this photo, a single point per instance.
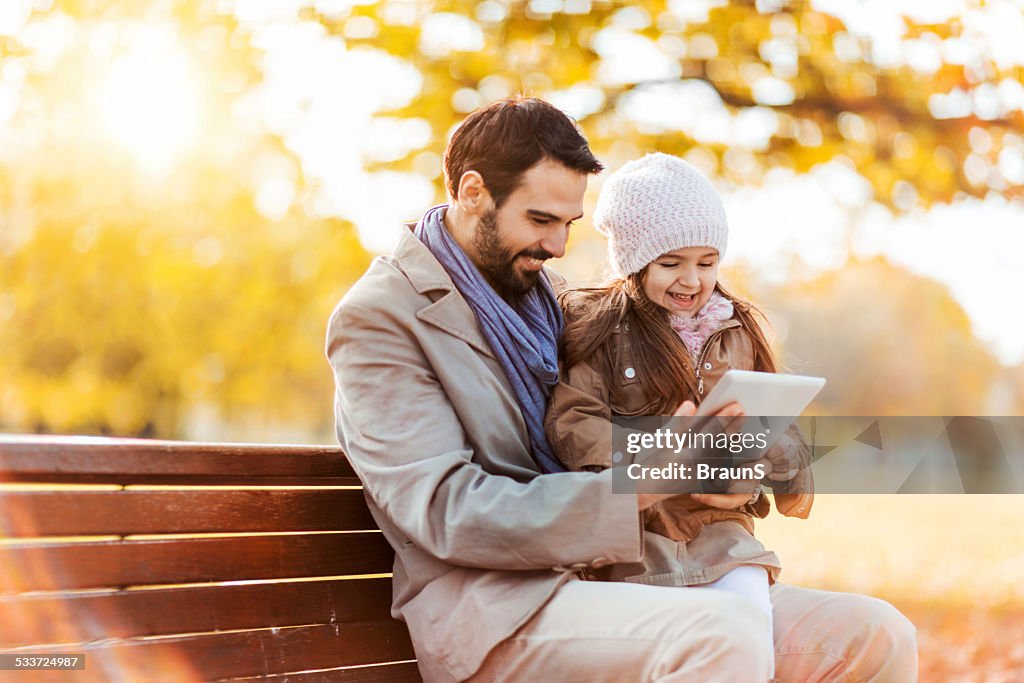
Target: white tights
pixel 751 582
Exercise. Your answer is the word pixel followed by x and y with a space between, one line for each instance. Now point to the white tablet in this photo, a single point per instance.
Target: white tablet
pixel 762 393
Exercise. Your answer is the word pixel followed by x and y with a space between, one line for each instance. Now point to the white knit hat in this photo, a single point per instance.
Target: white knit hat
pixel 654 205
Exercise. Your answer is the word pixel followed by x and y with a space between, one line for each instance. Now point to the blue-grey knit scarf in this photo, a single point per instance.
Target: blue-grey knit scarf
pixel 525 341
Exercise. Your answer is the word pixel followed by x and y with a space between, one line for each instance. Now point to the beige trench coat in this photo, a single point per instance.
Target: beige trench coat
pixel 431 426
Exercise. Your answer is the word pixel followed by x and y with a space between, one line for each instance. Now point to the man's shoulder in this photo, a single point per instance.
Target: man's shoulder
pixel 383 291
pixel 403 277
pixel 375 288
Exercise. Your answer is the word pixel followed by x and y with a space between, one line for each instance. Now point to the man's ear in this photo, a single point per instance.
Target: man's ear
pixel 474 197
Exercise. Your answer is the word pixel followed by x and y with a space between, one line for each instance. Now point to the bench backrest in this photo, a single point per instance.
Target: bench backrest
pixel 195 562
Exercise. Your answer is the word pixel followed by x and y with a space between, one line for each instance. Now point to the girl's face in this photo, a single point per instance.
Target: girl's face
pixel 683 280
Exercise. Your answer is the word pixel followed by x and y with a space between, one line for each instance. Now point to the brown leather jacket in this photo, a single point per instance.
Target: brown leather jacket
pixel 590 393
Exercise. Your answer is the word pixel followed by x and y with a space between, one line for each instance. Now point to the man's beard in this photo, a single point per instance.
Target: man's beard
pixel 498 263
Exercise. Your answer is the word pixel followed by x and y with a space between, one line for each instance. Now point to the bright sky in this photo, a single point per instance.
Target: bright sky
pixel 322 96
pixel 974 247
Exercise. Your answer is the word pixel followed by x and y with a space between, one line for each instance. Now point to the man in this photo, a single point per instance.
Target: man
pixel 443 355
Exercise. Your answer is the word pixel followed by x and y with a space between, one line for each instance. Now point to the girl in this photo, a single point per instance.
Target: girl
pixel 663 332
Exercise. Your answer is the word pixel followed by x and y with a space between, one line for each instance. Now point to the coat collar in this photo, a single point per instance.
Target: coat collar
pixel 450 313
pixel 425 273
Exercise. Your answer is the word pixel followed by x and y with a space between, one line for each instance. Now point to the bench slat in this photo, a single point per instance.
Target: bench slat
pixel 279 629
pixel 84 513
pixel 93 460
pixel 115 564
pixel 213 656
pixel 85 617
pixel 405 672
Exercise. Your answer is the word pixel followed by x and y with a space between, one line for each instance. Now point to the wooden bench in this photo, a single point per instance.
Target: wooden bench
pixel 171 561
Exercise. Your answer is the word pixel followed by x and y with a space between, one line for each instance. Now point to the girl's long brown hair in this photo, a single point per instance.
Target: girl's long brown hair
pixel 662 361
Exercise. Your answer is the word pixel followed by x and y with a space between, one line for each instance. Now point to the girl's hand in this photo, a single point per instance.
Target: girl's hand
pixel 685 409
pixel 731 419
pixel 784 460
pixel 723 501
pixel 730 416
pixel 689 409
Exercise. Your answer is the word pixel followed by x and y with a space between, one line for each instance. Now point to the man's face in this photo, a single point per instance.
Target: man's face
pixel 683 280
pixel 512 243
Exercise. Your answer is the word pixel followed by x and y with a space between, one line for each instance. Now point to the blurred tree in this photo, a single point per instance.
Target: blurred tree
pixel 123 319
pixel 743 87
pixel 1010 396
pixel 143 285
pixel 890 343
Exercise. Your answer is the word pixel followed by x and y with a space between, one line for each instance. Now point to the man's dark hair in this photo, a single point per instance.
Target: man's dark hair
pixel 506 138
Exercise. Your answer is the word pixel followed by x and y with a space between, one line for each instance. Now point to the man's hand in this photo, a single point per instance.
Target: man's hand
pixel 688 409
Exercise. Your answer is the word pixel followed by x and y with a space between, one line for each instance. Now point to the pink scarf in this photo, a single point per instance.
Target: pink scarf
pixel 696 330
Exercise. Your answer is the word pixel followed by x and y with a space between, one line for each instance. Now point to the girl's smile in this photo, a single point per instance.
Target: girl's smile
pixel 683 280
pixel 682 302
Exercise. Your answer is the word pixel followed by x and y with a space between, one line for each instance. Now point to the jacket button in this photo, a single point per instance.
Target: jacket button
pixel 630 373
pixel 707 366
